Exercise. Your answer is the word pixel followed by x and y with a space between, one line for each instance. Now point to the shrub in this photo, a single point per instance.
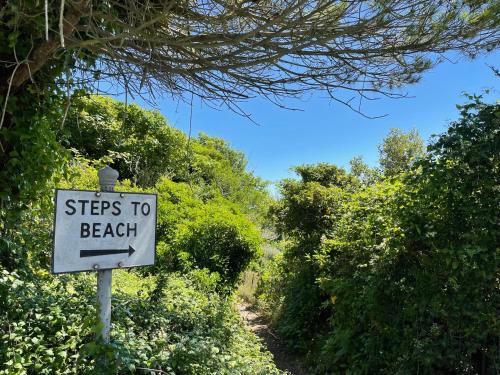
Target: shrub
pixel 43 327
pixel 168 322
pixel 406 269
pixel 225 244
pixel 184 327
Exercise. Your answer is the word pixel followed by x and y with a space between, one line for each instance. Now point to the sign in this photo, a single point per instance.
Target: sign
pixel 103 230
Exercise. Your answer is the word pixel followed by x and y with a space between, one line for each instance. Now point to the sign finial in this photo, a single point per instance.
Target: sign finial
pixel 107 178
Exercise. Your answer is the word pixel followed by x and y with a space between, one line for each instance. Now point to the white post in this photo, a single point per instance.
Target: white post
pixel 107 181
pixel 104 299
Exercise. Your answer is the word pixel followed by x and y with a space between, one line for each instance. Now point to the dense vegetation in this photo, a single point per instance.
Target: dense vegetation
pixel 388 270
pixel 178 316
pixel 391 269
pixel 394 270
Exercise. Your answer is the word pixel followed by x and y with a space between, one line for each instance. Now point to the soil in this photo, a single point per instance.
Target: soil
pixel 283 359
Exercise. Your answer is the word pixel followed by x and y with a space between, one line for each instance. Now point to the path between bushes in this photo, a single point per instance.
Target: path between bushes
pixel 283 359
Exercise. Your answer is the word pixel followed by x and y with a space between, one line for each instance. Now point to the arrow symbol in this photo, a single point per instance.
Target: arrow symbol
pixel 94 253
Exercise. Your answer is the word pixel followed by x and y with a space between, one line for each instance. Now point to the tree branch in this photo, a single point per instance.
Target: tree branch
pixel 46 50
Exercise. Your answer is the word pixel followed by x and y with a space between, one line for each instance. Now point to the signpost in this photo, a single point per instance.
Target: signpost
pixel 99 231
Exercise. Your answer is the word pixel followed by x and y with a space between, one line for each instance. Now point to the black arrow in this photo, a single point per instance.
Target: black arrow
pixel 94 253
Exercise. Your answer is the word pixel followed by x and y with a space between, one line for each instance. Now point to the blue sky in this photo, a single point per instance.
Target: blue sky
pixel 325 131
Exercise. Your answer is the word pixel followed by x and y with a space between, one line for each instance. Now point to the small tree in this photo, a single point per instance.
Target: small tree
pixel 362 171
pixel 325 174
pixel 399 150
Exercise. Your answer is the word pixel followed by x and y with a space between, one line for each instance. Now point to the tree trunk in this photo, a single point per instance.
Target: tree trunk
pixel 13 80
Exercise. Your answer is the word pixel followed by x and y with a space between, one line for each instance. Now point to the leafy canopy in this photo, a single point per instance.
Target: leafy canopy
pixel 143 147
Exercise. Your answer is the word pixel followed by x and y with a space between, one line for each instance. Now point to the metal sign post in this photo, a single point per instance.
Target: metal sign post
pixel 104 300
pixel 107 180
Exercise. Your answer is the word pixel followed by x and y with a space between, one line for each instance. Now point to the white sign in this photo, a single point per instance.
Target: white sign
pixel 103 230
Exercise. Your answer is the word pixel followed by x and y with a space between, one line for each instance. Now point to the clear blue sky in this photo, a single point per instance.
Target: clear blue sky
pixel 326 131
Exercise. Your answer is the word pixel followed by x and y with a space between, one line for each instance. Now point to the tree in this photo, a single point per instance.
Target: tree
pixel 362 171
pixel 215 164
pixel 232 49
pixel 144 147
pixel 327 175
pixel 399 151
pixel 404 271
pixel 143 144
pixel 307 207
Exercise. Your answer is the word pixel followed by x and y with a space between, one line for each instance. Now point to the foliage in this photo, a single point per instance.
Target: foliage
pixel 355 264
pixel 185 329
pixel 222 170
pixel 150 48
pixel 406 275
pixel 399 151
pixel 193 233
pixel 305 214
pixel 51 51
pixel 179 324
pixel 222 243
pixel 307 208
pixel 363 172
pixel 31 159
pixel 192 331
pixel 163 321
pixel 44 328
pixel 144 147
pixel 327 175
pixel 31 162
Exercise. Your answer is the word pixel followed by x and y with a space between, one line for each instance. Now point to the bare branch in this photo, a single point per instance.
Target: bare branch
pixel 232 50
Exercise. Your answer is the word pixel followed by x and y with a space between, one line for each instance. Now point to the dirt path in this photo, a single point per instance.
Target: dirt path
pixel 283 359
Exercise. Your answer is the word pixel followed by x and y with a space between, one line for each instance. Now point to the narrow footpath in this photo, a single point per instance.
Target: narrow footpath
pixel 282 358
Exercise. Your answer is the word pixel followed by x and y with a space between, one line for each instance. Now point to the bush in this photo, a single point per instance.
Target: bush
pixel 212 234
pixel 225 244
pixel 43 327
pixel 164 322
pixel 184 327
pixel 405 269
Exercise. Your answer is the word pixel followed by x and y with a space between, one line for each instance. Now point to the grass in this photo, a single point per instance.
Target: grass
pixel 250 279
pixel 248 286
